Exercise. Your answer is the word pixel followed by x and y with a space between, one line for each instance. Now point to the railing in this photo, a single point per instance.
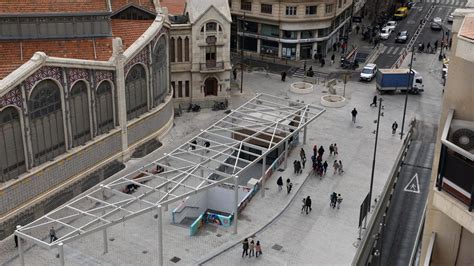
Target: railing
pixel 212 66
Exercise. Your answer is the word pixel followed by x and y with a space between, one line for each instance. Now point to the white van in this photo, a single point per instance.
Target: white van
pixel 368 72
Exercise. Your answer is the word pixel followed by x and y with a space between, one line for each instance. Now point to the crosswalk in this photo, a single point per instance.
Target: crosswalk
pixel 457 3
pixel 299 73
pixel 391 50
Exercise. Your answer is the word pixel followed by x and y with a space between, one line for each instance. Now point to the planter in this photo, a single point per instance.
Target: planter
pixel 301 87
pixel 333 101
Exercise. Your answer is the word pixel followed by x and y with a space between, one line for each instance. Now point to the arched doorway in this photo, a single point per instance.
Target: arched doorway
pixel 210 86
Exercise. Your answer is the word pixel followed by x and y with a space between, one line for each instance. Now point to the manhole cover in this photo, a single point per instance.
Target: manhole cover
pixel 175 259
pixel 277 247
pixel 359 127
pixel 145 251
pixel 218 235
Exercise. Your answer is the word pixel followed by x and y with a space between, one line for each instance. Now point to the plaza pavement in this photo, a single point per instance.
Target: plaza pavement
pixel 323 237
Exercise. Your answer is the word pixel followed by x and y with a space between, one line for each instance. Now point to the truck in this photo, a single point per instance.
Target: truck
pixel 391 80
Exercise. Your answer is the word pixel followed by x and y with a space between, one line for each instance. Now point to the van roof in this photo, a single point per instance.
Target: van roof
pixel 370 66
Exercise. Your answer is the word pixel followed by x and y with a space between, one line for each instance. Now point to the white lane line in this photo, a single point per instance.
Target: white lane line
pixel 395 51
pixel 389 50
pixel 383 49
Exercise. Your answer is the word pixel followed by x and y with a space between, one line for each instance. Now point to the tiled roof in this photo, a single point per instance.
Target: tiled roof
pixel 11 51
pixel 146 4
pixel 52 6
pixel 175 7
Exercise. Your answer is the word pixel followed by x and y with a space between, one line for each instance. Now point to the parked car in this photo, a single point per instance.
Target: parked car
pixel 410 4
pixel 385 33
pixel 450 18
pixel 401 13
pixel 391 24
pixel 368 72
pixel 436 23
pixel 402 37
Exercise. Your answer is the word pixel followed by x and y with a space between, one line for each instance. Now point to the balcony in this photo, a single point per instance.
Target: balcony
pixel 456 165
pixel 212 66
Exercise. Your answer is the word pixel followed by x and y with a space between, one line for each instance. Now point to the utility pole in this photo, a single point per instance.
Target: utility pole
pixel 375 153
pixel 409 85
pixel 242 55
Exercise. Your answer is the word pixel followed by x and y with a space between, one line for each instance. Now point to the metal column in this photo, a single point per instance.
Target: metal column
pixel 106 244
pixel 236 204
pixel 61 254
pixel 160 235
pixel 20 248
pixel 264 167
pixel 286 154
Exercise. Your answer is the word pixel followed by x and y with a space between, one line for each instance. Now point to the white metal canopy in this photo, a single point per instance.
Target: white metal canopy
pixel 214 156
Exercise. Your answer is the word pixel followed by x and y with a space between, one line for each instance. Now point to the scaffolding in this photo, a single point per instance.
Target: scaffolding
pixel 216 155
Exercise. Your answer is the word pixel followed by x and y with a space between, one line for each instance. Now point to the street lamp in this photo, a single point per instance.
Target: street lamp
pixel 411 75
pixel 242 55
pixel 375 153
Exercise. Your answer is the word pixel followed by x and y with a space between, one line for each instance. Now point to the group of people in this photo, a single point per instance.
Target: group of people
pixel 250 248
pixel 298 166
pixel 306 205
pixel 336 200
pixel 289 185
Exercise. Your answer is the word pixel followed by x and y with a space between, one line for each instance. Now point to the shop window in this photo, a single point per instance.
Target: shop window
pixel 289 34
pixel 306 34
pixel 270 30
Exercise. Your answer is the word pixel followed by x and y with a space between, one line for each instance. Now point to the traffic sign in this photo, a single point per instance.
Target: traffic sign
pixel 413 185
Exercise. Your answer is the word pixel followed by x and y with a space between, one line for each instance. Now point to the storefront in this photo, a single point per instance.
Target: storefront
pixel 288 51
pixel 269 47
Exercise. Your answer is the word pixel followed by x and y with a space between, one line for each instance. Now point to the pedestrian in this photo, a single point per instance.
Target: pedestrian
pixel 280 183
pixel 302 154
pixel 303 162
pixel 245 247
pixel 304 66
pixel 333 200
pixel 303 206
pixel 357 29
pixel 334 47
pixel 394 127
pixel 308 205
pixel 295 167
pixel 234 73
pixel 321 151
pixel 341 168
pixel 323 62
pixel 428 47
pixel 300 169
pixel 436 45
pixel 336 152
pixel 331 149
pixel 289 185
pixel 52 235
pixel 193 144
pixel 374 101
pixel 207 144
pixel 252 248
pixel 354 115
pixel 450 43
pixel 283 76
pixel 258 249
pixel 339 200
pixel 336 167
pixel 325 166
pixel 16 240
pixel 332 59
pixel 315 150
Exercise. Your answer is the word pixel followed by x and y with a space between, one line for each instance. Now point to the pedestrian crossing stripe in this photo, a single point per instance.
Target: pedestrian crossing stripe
pixel 413 185
pixel 458 3
pixel 389 49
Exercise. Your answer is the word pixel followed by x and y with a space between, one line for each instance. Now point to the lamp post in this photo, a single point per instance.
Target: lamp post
pixel 242 56
pixel 411 75
pixel 375 153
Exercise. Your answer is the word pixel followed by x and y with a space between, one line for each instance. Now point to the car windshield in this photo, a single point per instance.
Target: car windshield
pixel 384 30
pixel 367 71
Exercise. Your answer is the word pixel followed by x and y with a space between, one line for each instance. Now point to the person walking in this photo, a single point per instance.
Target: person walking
pixel 302 154
pixel 394 127
pixel 280 183
pixel 300 169
pixel 357 29
pixel 315 150
pixel 339 200
pixel 308 205
pixel 336 152
pixel 323 62
pixel 303 206
pixel 234 73
pixel 331 149
pixel 374 101
pixel 321 151
pixel 52 235
pixel 258 249
pixel 333 200
pixel 341 168
pixel 288 185
pixel 251 248
pixel 207 144
pixel 336 167
pixel 325 167
pixel 332 59
pixel 283 76
pixel 16 240
pixel 436 45
pixel 245 247
pixel 295 167
pixel 354 115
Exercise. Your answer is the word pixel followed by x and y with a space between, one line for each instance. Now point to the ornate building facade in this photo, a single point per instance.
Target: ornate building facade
pixel 83 85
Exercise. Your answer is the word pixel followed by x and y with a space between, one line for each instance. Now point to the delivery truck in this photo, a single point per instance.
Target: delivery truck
pixel 391 80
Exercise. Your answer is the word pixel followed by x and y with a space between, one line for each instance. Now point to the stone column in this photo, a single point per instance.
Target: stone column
pixel 121 101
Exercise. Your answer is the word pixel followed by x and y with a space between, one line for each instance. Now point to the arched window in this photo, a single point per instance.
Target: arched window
pixel 180 49
pixel 12 157
pixel 104 108
pixel 172 50
pixel 186 49
pixel 211 27
pixel 46 122
pixel 136 92
pixel 79 110
pixel 210 87
pixel 160 67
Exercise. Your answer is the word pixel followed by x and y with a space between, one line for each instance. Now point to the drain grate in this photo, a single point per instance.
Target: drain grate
pixel 277 247
pixel 175 259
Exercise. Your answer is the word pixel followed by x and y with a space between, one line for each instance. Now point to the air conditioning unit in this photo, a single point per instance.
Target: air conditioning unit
pixel 461 134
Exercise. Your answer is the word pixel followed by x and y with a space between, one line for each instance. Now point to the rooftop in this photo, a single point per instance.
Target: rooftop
pixel 175 7
pixel 52 6
pixel 467 29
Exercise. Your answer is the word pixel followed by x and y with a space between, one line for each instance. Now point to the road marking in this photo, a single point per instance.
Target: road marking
pixel 395 51
pixel 389 50
pixel 413 185
pixel 383 49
